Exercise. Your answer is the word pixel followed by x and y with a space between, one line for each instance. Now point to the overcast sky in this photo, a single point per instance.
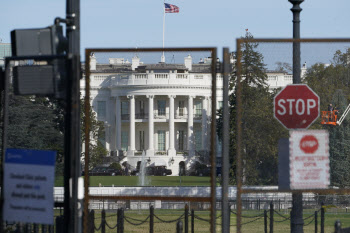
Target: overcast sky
pixel 139 23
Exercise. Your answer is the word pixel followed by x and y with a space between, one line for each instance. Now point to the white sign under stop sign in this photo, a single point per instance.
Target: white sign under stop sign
pixel 309 159
pixel 296 106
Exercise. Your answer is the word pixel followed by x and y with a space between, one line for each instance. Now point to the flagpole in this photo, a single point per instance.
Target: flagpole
pixel 163 57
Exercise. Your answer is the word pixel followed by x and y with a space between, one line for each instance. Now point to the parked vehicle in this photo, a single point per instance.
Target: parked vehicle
pixel 154 171
pixel 104 171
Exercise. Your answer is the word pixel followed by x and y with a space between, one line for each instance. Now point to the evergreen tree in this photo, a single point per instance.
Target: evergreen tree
pixel 260 132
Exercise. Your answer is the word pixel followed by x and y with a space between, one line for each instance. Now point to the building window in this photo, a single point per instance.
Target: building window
pixel 101 109
pixel 198 109
pixel 198 139
pixel 141 115
pixel 161 140
pixel 102 138
pixel 220 104
pixel 125 110
pixel 181 140
pixel 142 140
pixel 125 140
pixel 181 107
pixel 161 107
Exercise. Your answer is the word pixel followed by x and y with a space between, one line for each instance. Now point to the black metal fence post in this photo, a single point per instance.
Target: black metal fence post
pixel 36 228
pixel 291 224
pixel 151 219
pixel 103 221
pixel 179 227
pixel 51 229
pixel 118 220
pixel 322 218
pixel 315 221
pixel 271 217
pixel 91 223
pixel 192 221
pixel 122 220
pixel 43 228
pixel 265 221
pixel 337 227
pixel 186 218
pixel 59 225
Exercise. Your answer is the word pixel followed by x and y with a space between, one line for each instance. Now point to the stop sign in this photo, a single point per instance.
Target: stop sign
pixel 296 106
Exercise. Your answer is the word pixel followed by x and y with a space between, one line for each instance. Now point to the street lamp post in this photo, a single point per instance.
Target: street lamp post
pixel 297 221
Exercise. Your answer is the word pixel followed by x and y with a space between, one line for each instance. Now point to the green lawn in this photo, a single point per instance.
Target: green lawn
pixel 150 181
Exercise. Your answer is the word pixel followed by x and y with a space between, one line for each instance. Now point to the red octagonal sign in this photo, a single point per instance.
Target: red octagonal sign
pixel 296 106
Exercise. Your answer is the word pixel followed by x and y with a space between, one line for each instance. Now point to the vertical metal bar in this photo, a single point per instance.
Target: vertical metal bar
pixel 122 220
pixel 213 146
pixel 239 136
pixel 297 219
pixel 225 144
pixel 87 132
pixel 186 218
pixel 265 221
pixel 5 106
pixel 337 226
pixel 192 221
pixel 322 218
pixel 315 221
pixel 151 219
pixel 271 217
pixel 118 220
pixel 103 221
pixel 179 227
pixel 73 211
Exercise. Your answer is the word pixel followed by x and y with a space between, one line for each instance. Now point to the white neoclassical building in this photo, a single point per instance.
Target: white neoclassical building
pixel 161 109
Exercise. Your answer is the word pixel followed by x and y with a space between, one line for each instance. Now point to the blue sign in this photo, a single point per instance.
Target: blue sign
pixel 28 182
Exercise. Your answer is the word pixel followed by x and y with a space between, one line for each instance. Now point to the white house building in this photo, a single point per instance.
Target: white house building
pixel 161 109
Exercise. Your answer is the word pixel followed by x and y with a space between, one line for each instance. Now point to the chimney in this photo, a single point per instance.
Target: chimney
pixel 135 62
pixel 188 62
pixel 93 62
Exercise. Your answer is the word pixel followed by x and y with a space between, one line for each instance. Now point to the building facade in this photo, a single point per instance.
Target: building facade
pixel 161 110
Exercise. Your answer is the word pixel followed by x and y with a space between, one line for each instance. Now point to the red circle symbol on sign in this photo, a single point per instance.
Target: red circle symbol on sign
pixel 296 106
pixel 308 144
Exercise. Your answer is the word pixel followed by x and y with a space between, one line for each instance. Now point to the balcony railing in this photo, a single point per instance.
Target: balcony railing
pixel 161 116
pixel 181 116
pixel 182 152
pixel 141 115
pixel 125 116
pixel 197 116
pixel 161 152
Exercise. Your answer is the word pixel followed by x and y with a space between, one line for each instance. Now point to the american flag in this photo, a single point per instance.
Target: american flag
pixel 171 8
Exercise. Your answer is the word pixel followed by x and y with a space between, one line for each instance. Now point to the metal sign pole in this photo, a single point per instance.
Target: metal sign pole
pixel 72 206
pixel 297 221
pixel 225 145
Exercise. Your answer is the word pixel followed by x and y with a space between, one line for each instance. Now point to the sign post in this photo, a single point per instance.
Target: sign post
pixel 29 180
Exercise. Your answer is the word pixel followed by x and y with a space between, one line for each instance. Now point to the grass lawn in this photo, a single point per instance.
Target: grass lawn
pixel 200 225
pixel 150 181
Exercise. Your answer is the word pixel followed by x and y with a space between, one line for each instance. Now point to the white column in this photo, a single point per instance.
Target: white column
pixel 150 151
pixel 132 125
pixel 171 150
pixel 190 136
pixel 118 124
pixel 204 123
